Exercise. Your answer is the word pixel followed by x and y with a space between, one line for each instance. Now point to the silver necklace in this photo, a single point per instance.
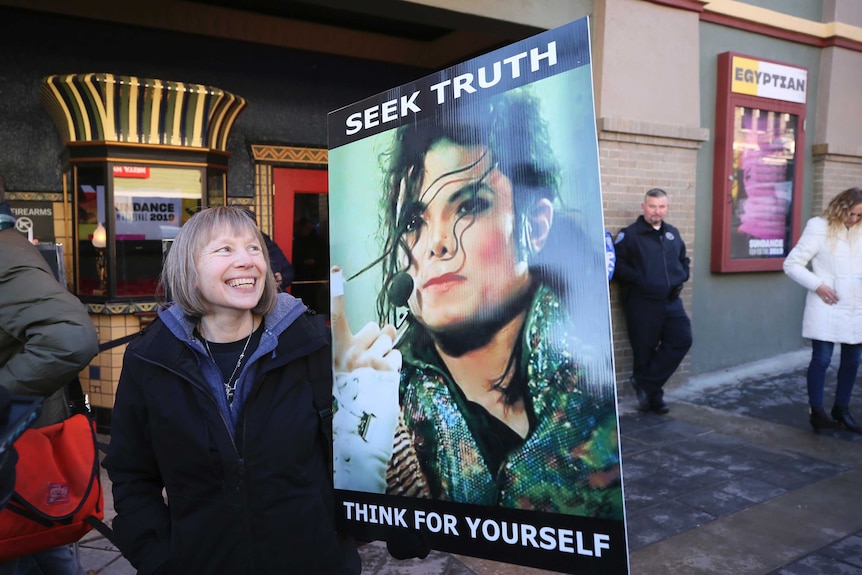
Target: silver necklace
pixel 230 384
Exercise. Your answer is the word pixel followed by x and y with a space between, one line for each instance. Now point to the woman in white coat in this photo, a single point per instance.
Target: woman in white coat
pixel 832 244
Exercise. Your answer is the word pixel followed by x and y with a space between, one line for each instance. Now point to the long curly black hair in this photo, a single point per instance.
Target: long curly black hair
pixel 510 128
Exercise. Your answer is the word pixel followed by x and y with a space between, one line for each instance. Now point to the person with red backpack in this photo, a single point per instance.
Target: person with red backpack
pixel 46 339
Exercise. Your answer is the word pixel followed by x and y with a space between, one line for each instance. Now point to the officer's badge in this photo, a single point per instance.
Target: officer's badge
pixel 669 236
pixel 610 255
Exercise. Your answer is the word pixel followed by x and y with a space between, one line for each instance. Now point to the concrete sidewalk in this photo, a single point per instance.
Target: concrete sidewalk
pixel 732 482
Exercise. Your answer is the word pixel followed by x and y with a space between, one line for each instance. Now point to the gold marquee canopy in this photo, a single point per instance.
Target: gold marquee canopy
pixel 105 107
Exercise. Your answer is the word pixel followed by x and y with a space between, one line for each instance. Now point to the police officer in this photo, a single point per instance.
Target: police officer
pixel 651 267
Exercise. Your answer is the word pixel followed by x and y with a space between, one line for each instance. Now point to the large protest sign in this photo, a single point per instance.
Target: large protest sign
pixel 475 395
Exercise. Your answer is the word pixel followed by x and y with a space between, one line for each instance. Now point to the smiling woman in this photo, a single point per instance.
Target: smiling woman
pixel 215 407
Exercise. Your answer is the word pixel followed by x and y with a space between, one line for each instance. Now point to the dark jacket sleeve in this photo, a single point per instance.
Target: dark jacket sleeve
pixel 279 262
pixel 625 270
pixel 142 524
pixel 58 336
pixel 46 335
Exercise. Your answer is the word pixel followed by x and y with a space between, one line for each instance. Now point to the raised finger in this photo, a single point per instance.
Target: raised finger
pixel 355 353
pixel 388 362
pixel 393 360
pixel 382 345
pixel 341 335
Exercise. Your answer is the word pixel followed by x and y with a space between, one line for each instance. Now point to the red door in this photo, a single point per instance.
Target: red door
pixel 301 229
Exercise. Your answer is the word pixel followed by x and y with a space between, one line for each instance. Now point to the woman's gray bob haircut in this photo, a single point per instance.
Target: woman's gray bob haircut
pixel 179 280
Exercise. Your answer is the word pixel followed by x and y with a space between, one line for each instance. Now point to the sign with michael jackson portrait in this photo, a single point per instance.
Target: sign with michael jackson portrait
pixel 474 385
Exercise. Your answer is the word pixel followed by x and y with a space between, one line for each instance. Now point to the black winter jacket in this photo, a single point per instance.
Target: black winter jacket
pixel 257 500
pixel 651 263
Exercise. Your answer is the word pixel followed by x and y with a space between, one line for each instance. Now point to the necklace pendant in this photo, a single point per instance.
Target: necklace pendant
pixel 230 384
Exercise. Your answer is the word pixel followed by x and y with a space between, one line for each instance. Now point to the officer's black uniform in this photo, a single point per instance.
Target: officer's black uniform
pixel 651 268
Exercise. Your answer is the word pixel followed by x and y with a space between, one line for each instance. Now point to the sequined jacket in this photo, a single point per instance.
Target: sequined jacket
pixel 569 462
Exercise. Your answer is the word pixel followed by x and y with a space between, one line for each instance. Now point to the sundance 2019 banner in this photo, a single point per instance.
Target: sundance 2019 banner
pixel 474 382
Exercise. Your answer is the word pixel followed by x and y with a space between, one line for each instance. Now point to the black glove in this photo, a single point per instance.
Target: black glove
pixel 404 544
pixel 674 292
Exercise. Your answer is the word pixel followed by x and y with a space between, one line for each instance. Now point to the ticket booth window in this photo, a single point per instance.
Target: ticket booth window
pixel 759 135
pixel 126 217
pixel 150 204
pixel 90 185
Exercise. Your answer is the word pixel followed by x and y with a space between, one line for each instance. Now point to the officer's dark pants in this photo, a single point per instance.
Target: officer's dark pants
pixel 660 336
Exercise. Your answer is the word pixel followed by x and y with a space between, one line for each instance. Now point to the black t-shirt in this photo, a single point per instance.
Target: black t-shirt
pixel 495 438
pixel 226 355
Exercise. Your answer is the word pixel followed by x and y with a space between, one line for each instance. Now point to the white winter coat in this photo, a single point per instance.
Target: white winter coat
pixel 837 264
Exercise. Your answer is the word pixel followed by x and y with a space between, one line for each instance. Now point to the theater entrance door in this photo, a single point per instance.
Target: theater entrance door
pixel 301 229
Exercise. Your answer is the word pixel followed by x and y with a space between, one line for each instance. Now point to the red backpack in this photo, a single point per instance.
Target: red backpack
pixel 58 491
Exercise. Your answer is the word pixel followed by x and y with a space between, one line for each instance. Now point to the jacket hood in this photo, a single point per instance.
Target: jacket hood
pixel 173 352
pixel 287 309
pixel 288 334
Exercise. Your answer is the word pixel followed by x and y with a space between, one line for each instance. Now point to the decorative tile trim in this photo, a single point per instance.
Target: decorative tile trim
pixel 289 154
pixel 35 196
pixel 122 308
pixel 264 196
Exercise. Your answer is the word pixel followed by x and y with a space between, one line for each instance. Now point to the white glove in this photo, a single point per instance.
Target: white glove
pixel 363 427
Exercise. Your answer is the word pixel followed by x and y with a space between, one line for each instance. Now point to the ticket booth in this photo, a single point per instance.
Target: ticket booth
pixel 141 157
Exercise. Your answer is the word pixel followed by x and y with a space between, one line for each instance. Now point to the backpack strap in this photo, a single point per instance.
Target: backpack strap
pixel 320 375
pixel 79 404
pixel 104 529
pixel 75 395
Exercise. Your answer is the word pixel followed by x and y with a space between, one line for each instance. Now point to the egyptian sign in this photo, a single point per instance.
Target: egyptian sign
pixel 769 80
pixel 474 385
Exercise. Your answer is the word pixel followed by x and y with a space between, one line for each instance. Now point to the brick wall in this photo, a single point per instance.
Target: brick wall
pixel 631 163
pixel 834 173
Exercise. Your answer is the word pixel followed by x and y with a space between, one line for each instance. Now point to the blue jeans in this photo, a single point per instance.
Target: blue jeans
pixel 821 356
pixel 57 561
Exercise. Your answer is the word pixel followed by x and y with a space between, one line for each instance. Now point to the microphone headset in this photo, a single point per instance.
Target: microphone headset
pixel 400 289
pixel 399 292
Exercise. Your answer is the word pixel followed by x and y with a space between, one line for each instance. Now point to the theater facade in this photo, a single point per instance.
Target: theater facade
pixel 117 124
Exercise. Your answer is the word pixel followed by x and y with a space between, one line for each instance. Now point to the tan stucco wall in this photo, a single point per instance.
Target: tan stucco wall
pixel 646 63
pixel 847 11
pixel 839 122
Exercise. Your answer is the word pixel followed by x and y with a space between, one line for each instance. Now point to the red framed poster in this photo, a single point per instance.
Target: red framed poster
pixel 757 178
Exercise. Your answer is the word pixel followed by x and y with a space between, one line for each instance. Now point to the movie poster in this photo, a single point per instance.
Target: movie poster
pixel 764 157
pixel 475 401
